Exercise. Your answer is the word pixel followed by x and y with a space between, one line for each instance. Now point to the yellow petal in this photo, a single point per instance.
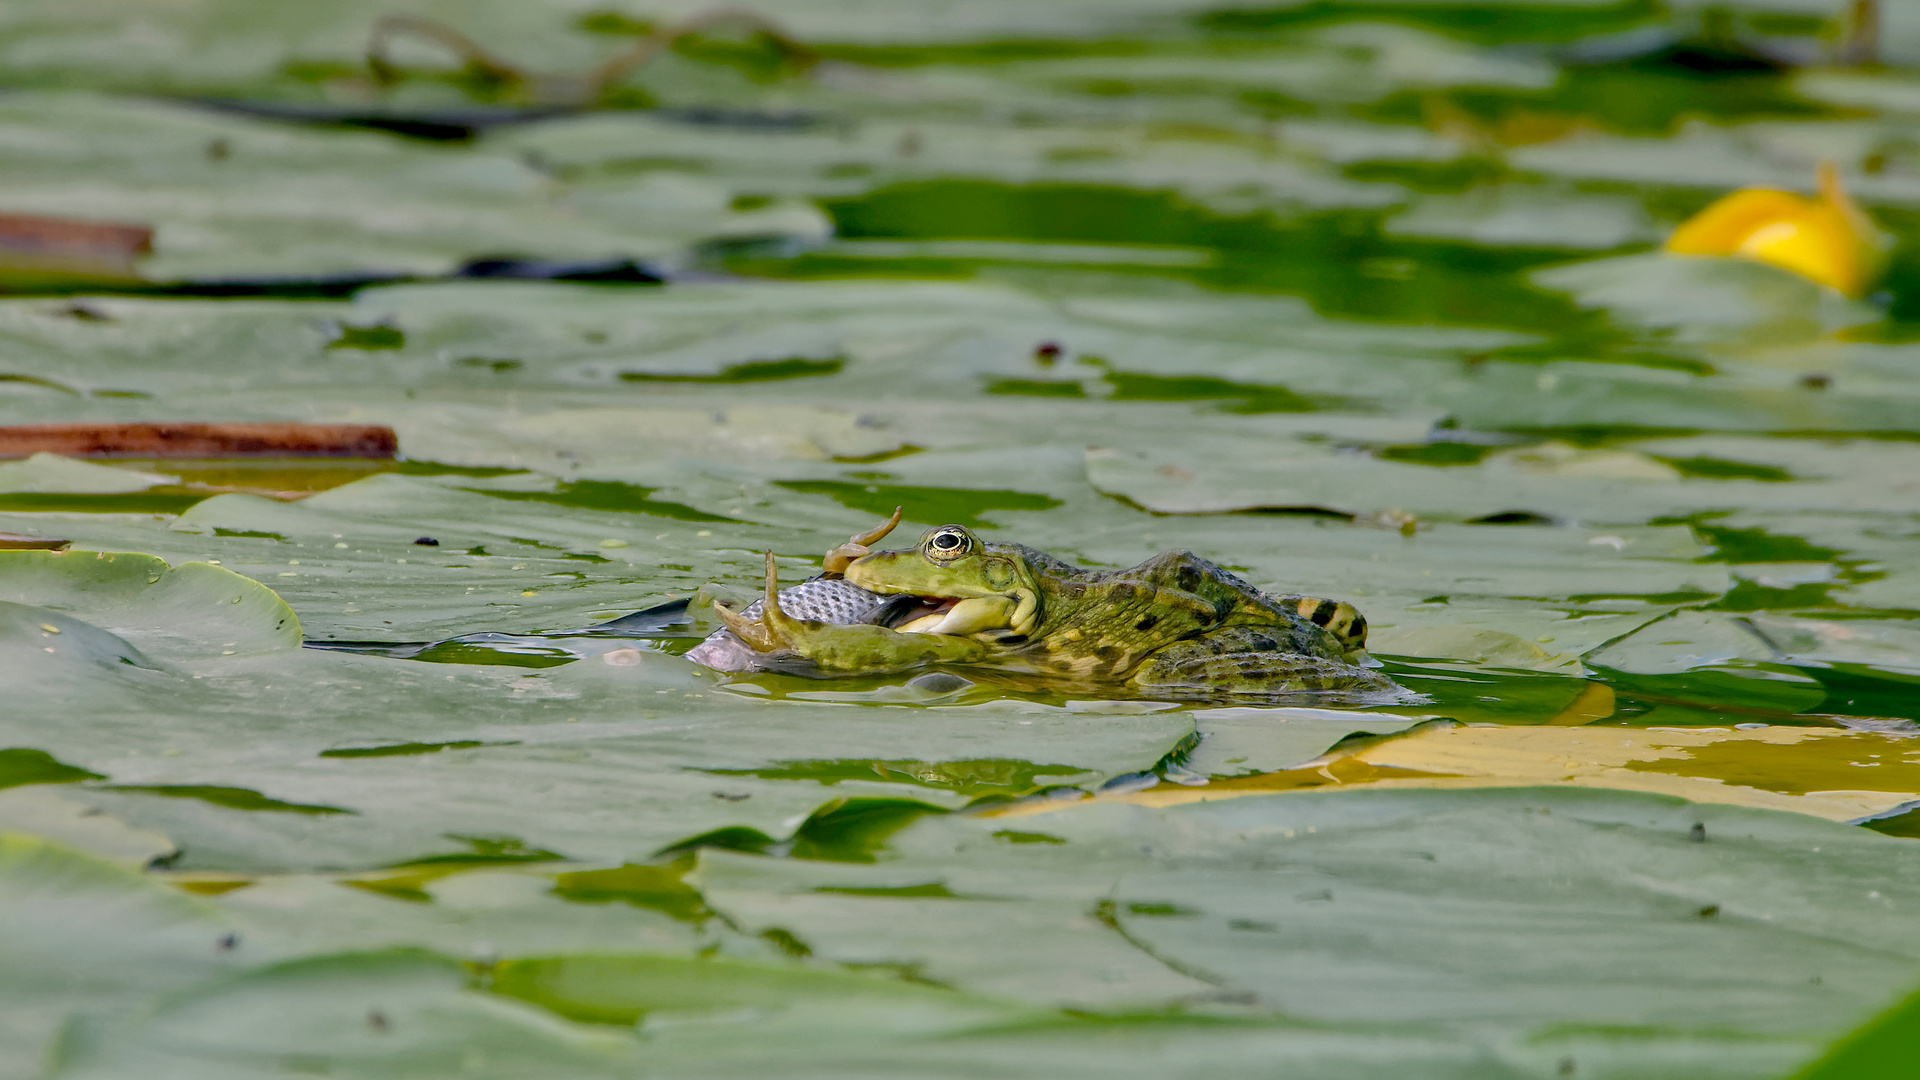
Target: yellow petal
pixel 1827 239
pixel 1727 223
pixel 1724 225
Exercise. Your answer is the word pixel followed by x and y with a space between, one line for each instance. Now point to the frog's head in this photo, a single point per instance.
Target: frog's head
pixel 966 586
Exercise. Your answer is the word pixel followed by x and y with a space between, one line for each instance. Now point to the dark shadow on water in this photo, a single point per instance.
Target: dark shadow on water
pixel 841 830
pixel 607 496
pixel 232 798
pixel 974 779
pixel 796 367
pixel 1339 260
pixel 409 749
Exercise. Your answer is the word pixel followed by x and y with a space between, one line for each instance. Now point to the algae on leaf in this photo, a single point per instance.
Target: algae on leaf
pixel 1882 1049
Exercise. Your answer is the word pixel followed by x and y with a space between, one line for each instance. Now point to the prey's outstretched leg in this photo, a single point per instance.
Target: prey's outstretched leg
pixel 759 634
pixel 858 545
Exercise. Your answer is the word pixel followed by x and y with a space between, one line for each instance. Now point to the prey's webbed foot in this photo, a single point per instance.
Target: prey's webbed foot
pixel 859 545
pixel 764 634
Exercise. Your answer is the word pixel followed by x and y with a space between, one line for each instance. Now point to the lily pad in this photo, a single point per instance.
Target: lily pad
pixel 194 610
pixel 1418 872
pixel 83 934
pixel 371 1013
pixel 1245 741
pixel 236 198
pixel 1352 299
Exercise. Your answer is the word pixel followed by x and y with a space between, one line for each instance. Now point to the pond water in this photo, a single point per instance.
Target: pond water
pixel 1361 300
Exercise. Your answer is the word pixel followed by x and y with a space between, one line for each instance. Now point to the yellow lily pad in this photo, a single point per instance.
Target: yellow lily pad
pixel 1835 774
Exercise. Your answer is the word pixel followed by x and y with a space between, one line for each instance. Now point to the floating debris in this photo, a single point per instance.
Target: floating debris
pixel 214 440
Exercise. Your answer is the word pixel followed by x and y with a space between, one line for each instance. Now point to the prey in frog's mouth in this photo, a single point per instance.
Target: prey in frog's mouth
pixel 955 615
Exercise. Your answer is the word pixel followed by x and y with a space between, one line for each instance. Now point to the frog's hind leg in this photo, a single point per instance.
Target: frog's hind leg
pixel 1249 661
pixel 1337 617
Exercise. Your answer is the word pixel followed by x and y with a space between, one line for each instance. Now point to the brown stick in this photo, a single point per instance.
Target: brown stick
pixel 40 249
pixel 68 237
pixel 270 440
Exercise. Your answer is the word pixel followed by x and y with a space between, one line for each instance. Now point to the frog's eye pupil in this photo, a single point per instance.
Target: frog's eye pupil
pixel 947 543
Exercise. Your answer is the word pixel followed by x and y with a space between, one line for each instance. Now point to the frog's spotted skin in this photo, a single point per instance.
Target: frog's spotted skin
pixel 1176 625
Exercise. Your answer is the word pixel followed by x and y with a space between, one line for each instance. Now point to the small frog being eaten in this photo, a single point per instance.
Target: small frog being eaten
pixel 1176 626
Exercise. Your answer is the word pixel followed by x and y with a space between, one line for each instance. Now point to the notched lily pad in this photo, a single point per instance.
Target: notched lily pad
pixel 192 611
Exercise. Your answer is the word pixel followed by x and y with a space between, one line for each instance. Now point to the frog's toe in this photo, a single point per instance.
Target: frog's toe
pixel 879 532
pixel 859 545
pixel 843 556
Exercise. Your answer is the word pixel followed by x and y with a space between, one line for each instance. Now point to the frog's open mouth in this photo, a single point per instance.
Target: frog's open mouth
pixel 946 614
pixel 913 614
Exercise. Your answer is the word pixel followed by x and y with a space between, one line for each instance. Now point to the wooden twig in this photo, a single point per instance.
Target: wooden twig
pixel 33 247
pixel 164 440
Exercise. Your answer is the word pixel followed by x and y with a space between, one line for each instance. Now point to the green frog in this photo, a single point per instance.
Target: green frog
pixel 1176 625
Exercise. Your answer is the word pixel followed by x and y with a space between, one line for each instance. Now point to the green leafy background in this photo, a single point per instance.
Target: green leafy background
pixel 1358 299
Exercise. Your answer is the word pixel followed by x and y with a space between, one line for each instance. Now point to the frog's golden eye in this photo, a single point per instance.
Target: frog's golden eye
pixel 949 543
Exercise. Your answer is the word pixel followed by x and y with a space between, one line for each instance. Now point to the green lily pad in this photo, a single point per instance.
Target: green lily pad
pixel 83 934
pixel 194 610
pixel 1240 899
pixel 403 1012
pixel 672 756
pixel 1244 741
pixel 1354 299
pixel 235 198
